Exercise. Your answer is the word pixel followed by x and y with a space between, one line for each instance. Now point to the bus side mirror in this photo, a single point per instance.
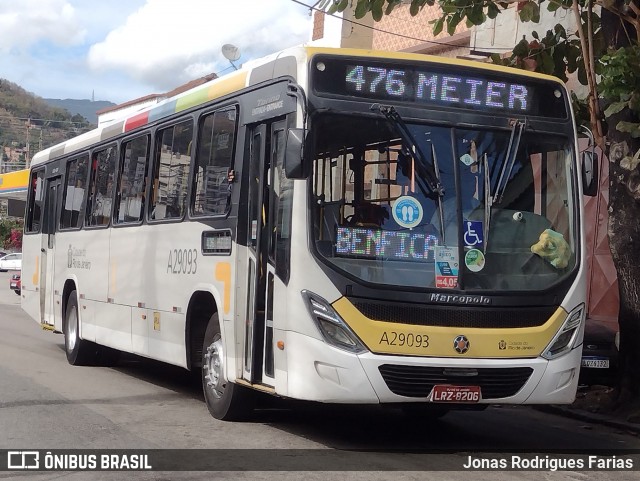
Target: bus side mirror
pixel 294 155
pixel 589 173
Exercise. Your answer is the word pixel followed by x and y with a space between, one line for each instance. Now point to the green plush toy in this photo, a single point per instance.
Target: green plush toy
pixel 552 247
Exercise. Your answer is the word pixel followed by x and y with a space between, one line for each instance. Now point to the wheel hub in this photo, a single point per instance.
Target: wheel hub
pixel 72 329
pixel 214 369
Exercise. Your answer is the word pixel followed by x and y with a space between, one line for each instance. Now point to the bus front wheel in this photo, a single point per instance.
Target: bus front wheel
pixel 79 352
pixel 225 400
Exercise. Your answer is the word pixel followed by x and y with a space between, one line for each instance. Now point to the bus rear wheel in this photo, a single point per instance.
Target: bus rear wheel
pixel 225 400
pixel 79 352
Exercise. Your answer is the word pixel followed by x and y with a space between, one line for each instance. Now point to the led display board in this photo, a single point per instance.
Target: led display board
pixel 433 84
pixel 368 243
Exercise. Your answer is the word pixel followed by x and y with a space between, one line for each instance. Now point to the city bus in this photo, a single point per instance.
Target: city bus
pixel 331 225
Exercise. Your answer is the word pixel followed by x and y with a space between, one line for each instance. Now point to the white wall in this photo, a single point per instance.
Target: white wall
pixel 339 31
pixel 501 34
pixel 506 30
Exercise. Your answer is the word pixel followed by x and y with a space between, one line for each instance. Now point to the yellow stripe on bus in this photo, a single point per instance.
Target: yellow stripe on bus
pixel 228 84
pixel 416 340
pixel 36 272
pixel 223 274
pixel 219 88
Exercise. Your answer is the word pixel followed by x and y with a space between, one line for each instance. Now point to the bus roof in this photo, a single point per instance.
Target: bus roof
pixel 287 62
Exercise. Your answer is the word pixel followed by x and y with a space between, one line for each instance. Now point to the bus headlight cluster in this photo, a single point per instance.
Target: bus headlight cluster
pixel 334 330
pixel 565 339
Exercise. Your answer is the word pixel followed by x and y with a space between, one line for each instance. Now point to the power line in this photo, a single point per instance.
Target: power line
pixel 409 37
pixel 31 119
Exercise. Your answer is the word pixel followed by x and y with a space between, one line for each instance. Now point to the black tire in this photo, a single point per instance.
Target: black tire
pixel 79 352
pixel 16 291
pixel 225 400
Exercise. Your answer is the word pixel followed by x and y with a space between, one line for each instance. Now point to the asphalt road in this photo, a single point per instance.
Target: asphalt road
pixel 139 404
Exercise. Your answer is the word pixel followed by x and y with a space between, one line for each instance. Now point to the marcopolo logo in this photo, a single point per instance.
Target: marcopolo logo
pixel 455 299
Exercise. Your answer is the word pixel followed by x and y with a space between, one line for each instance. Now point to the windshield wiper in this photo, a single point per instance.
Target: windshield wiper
pixel 426 169
pixel 440 207
pixel 507 166
pixel 429 172
pixel 509 160
pixel 488 200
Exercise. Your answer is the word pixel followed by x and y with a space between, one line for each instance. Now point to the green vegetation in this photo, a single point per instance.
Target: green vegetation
pixel 26 117
pixel 11 234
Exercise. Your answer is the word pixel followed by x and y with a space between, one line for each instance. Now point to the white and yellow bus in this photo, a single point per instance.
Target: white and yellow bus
pixel 332 225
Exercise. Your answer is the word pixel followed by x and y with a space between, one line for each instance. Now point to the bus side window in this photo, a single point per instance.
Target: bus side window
pixel 283 190
pixel 103 170
pixel 34 208
pixel 74 193
pixel 132 181
pixel 214 158
pixel 172 163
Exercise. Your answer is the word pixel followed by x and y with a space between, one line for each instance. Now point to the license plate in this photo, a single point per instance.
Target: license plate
pixel 14 285
pixel 446 393
pixel 595 363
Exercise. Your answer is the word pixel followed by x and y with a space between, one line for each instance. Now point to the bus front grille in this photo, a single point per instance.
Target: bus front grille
pixel 447 316
pixel 417 381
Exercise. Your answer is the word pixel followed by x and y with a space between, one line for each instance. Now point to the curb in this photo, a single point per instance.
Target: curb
pixel 596 418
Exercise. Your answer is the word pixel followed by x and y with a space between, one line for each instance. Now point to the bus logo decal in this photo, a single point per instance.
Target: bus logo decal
pixel 77 258
pixel 461 344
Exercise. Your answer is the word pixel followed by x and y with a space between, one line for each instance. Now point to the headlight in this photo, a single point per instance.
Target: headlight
pixel 334 330
pixel 564 340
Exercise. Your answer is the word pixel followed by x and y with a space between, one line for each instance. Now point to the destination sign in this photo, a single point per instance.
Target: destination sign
pixel 425 86
pixel 392 245
pixel 438 85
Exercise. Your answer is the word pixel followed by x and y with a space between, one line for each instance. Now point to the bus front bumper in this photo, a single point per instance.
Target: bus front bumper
pixel 319 372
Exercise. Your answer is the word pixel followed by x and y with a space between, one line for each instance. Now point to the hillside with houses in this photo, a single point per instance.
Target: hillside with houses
pixel 28 124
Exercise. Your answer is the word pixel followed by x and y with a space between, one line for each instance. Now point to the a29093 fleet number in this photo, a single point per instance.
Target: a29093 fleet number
pixel 393 338
pixel 182 261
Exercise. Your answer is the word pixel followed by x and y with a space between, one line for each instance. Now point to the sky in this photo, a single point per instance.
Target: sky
pixel 119 50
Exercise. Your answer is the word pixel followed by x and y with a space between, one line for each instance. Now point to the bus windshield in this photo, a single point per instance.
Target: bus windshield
pixel 505 218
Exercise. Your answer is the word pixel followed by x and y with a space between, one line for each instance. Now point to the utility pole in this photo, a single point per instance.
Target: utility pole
pixel 26 159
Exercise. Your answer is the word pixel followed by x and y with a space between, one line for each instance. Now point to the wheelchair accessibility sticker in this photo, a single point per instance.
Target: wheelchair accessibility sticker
pixel 473 236
pixel 407 211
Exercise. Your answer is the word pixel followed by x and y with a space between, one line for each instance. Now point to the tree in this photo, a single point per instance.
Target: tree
pixel 15 239
pixel 10 234
pixel 605 54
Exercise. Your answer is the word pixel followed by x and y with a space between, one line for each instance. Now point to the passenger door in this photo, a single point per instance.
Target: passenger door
pixel 265 145
pixel 47 250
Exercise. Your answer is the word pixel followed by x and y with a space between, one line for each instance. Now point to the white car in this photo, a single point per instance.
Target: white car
pixel 11 262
